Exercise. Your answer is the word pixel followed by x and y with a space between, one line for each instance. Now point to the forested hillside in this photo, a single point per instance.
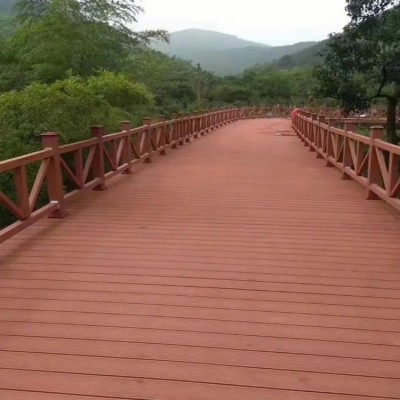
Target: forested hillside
pixel 308 57
pixel 203 39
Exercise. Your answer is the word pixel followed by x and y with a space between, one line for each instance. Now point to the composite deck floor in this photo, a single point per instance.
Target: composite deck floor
pixel 238 267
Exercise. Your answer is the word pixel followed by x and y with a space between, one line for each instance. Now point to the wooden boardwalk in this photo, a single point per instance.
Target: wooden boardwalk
pixel 236 268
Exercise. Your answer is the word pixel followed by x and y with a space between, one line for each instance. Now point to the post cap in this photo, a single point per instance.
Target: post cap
pixel 50 134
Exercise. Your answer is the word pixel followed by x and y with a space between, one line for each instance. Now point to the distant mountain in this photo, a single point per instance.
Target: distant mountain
pixel 221 53
pixel 307 57
pixel 203 40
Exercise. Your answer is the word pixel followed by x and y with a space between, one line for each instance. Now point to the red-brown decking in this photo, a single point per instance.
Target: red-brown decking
pixel 236 268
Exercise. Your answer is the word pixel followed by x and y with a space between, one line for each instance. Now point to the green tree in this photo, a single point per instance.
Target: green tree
pixel 79 36
pixel 362 64
pixel 69 106
pixel 172 80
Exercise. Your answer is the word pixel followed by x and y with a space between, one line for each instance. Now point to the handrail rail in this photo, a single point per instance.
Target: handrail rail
pixel 62 172
pixel 369 160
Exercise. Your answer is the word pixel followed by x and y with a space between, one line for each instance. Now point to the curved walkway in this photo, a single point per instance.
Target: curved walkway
pixel 237 268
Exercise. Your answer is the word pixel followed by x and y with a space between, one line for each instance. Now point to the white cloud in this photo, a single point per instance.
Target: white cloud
pixel 276 22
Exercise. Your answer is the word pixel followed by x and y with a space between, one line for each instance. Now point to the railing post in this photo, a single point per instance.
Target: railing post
pixel 180 129
pixel 98 160
pixel 195 124
pixel 127 151
pixel 307 130
pixel 205 126
pixel 185 128
pixel 329 144
pixel 347 159
pixel 300 126
pixel 147 139
pixel 163 134
pixel 206 122
pixel 321 120
pixel 374 174
pixel 55 187
pixel 313 131
pixel 175 132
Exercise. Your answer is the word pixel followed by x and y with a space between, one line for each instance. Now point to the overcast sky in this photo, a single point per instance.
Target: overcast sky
pixel 274 22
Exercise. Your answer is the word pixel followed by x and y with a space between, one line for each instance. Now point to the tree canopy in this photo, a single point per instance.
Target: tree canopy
pixel 362 64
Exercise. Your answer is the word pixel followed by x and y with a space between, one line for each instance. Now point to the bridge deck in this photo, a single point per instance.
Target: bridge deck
pixel 235 268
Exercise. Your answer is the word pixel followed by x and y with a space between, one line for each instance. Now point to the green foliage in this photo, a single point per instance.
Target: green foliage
pixel 70 107
pixel 169 79
pixel 7 26
pixel 362 10
pixel 118 15
pixel 69 36
pixel 309 57
pixel 119 90
pixel 265 85
pixel 362 63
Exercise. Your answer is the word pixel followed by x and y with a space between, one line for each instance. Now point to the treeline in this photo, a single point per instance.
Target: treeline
pixel 266 85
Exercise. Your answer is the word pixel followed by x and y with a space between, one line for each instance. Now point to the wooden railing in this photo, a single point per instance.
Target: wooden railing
pixel 369 160
pixel 265 112
pixel 44 182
